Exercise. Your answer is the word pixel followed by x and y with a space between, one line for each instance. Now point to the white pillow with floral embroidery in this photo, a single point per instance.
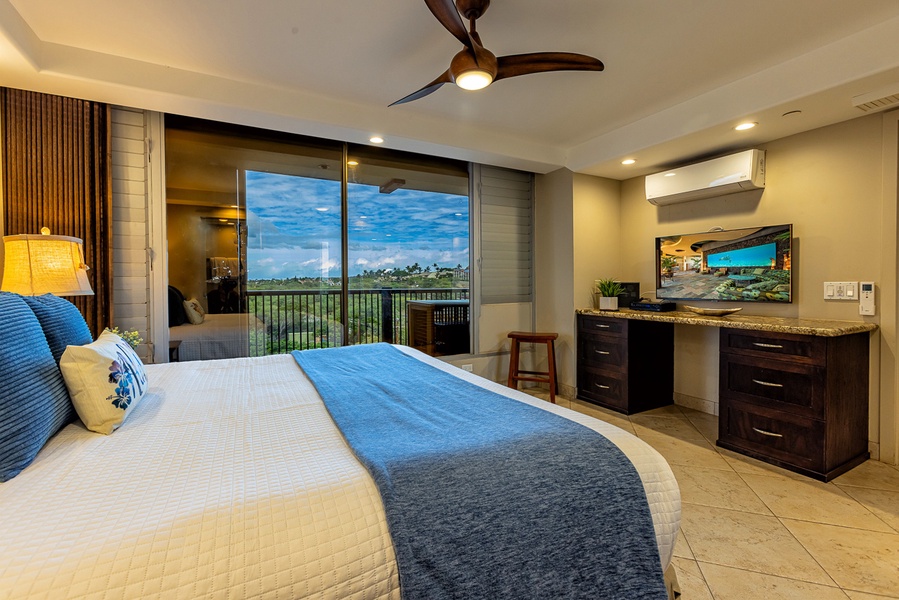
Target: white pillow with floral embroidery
pixel 106 379
pixel 194 311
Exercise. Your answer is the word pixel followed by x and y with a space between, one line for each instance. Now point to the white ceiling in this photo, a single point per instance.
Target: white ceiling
pixel 679 73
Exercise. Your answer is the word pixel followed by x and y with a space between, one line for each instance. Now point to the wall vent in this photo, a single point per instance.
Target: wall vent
pixel 881 99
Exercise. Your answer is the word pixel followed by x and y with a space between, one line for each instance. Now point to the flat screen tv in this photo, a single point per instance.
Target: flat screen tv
pixel 736 265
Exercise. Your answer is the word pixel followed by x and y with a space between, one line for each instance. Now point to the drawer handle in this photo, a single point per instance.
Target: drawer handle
pixel 761 345
pixel 768 433
pixel 602 387
pixel 603 326
pixel 767 383
pixel 601 352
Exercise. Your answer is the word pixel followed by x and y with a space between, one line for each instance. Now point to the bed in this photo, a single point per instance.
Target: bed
pixel 216 337
pixel 229 480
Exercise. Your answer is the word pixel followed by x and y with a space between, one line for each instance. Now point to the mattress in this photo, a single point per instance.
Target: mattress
pixel 218 336
pixel 228 480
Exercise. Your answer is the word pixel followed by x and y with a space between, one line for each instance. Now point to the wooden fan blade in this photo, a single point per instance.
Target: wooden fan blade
pixel 541 62
pixel 485 58
pixel 449 17
pixel 428 89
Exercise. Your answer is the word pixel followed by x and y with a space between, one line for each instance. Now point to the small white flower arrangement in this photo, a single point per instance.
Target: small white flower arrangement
pixel 129 335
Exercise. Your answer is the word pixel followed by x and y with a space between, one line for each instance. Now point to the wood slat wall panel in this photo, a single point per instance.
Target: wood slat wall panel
pixel 56 173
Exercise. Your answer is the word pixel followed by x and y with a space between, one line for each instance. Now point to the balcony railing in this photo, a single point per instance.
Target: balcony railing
pixel 302 319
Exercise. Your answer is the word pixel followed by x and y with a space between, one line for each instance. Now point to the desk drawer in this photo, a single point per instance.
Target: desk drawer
pixel 606 352
pixel 605 387
pixel 781 385
pixel 602 325
pixel 794 440
pixel 799 348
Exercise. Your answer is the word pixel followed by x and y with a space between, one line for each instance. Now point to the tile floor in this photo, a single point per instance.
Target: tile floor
pixel 751 530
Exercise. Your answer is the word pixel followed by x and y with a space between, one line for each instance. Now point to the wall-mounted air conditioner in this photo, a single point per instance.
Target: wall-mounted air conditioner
pixel 717 177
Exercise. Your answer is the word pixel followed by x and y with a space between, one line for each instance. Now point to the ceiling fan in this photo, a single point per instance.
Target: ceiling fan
pixel 475 67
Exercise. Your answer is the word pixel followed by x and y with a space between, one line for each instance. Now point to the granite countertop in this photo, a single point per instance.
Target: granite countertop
pixel 819 327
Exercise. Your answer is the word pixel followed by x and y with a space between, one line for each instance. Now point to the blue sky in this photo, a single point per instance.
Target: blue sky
pixel 294 227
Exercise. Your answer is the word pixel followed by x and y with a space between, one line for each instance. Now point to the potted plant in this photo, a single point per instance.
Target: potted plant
pixel 606 291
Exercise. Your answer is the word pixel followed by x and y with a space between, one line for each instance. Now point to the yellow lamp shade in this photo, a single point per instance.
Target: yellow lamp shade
pixel 44 264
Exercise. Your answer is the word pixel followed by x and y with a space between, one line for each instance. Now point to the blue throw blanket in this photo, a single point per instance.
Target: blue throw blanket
pixel 485 496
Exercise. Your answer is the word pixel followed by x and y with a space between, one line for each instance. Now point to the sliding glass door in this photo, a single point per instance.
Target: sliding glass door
pixel 333 244
pixel 408 249
pixel 294 258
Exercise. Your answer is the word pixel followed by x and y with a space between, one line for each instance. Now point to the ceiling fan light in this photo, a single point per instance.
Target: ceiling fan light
pixel 476 79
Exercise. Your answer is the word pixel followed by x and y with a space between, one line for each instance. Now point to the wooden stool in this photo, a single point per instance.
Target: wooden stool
pixel 516 374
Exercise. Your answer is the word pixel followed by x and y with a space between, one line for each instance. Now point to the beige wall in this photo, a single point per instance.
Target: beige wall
pixel 573 249
pixel 597 251
pixel 827 182
pixel 554 265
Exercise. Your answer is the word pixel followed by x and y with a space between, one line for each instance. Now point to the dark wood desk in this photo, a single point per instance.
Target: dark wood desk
pixel 791 392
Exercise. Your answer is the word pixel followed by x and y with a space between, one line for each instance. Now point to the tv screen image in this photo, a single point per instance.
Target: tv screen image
pixel 751 264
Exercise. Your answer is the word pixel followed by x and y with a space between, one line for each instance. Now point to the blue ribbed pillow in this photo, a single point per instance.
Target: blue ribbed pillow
pixel 34 402
pixel 61 321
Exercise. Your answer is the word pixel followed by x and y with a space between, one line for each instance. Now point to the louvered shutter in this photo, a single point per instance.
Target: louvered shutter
pixel 506 236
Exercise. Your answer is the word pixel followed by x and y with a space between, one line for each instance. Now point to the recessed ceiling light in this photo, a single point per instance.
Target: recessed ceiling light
pixel 670 174
pixel 745 126
pixel 376 139
pixel 352 163
pixel 628 161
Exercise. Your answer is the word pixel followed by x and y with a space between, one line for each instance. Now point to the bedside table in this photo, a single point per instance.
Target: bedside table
pixel 174 345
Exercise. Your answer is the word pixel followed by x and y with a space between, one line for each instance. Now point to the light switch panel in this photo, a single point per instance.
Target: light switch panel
pixel 841 290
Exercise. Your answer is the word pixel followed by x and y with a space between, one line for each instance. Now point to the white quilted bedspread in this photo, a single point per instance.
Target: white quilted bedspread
pixel 229 480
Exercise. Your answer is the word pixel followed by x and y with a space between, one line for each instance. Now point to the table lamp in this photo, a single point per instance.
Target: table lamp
pixel 44 264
